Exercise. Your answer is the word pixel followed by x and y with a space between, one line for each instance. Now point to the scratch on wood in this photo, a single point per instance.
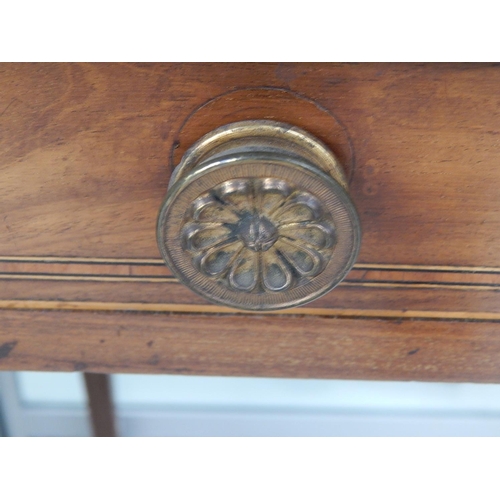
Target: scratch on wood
pixel 5 349
pixel 8 106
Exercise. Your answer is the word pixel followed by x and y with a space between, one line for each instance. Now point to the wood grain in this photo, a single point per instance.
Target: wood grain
pixel 85 156
pixel 85 152
pixel 305 347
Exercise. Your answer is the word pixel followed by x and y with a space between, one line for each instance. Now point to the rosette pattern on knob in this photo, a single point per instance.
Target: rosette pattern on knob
pixel 258 235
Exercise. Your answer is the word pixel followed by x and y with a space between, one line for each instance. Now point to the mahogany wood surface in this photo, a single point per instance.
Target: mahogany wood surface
pixel 257 345
pixel 86 152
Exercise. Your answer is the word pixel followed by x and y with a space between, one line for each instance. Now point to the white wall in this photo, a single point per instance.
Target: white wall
pixel 189 405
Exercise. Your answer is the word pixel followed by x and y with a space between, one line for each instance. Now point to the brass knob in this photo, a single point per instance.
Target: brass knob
pixel 258 216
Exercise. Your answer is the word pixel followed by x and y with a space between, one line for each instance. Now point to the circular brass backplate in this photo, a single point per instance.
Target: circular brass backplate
pixel 257 217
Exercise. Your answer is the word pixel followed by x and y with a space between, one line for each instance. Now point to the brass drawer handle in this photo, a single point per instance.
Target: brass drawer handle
pixel 257 216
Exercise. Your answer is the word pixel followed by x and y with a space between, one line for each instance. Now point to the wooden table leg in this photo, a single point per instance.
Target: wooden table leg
pixel 100 404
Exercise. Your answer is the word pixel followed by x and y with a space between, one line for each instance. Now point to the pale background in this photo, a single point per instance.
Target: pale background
pixel 54 404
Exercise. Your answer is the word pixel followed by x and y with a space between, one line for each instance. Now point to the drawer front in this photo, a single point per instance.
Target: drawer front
pixel 86 154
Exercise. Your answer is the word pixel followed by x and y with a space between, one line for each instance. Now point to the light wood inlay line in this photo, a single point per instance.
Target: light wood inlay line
pixel 152 279
pixel 83 277
pixel 440 286
pixel 159 262
pixel 363 276
pixel 83 260
pixel 213 309
pixel 423 268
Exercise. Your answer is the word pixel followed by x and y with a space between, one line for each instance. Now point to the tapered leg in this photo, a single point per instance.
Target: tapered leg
pixel 100 404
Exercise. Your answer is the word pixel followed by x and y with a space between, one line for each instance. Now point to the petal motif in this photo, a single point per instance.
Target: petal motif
pixel 272 194
pixel 305 260
pixel 276 275
pixel 197 236
pixel 318 235
pixel 208 208
pixel 300 207
pixel 244 273
pixel 236 194
pixel 217 260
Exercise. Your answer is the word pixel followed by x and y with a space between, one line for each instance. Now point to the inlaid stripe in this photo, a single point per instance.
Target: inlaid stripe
pixel 213 309
pixel 159 262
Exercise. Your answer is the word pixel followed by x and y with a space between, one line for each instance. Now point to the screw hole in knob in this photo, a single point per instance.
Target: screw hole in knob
pixel 258 217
